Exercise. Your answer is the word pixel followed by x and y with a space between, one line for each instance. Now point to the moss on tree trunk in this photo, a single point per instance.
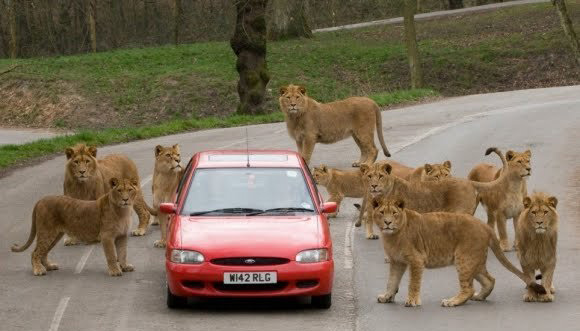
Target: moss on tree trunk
pixel 568 28
pixel 249 45
pixel 288 19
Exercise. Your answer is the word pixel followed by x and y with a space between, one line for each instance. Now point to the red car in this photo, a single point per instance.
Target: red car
pixel 248 224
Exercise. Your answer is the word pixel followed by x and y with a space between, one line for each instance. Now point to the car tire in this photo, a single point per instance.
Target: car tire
pixel 322 301
pixel 175 301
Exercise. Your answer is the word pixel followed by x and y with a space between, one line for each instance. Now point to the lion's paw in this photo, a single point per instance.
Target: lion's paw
pixel 51 266
pixel 159 243
pixel 41 271
pixel 545 298
pixel 358 223
pixel 372 236
pixel 451 302
pixel 528 297
pixel 413 302
pixel 115 272
pixel 386 298
pixel 127 268
pixel 476 297
pixel 138 232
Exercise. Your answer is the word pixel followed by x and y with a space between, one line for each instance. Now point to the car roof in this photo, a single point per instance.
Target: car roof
pixel 257 158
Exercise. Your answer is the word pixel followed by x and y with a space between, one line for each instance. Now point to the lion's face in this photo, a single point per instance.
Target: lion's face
pixel 377 178
pixel 81 162
pixel 437 171
pixel 321 175
pixel 388 215
pixel 123 191
pixel 168 159
pixel 540 214
pixel 520 162
pixel 292 99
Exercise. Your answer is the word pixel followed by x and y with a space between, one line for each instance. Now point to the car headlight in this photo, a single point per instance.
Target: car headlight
pixel 312 255
pixel 188 257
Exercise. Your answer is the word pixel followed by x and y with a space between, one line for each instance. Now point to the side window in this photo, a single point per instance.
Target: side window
pixel 184 177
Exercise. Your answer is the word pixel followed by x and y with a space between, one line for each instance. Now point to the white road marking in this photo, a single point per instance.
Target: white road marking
pixel 58 314
pixel 231 144
pixel 83 260
pixel 348 246
pixel 85 257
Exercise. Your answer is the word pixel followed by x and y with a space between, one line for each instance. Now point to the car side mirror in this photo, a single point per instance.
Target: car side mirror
pixel 168 208
pixel 329 207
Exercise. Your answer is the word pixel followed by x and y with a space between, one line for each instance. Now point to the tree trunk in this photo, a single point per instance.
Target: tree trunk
pixel 409 10
pixel 288 19
pixel 249 45
pixel 177 14
pixel 92 8
pixel 568 28
pixel 13 27
pixel 455 4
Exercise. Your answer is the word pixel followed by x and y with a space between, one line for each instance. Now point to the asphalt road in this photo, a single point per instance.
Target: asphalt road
pixel 21 136
pixel 81 296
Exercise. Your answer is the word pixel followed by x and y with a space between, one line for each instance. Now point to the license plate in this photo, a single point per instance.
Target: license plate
pixel 269 277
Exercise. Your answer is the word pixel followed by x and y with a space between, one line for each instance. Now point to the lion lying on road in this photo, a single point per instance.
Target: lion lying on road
pixel 107 219
pixel 537 237
pixel 432 240
pixel 166 177
pixel 430 172
pixel 310 122
pixel 87 178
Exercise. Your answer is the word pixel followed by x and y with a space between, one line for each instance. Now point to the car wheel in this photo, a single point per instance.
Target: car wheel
pixel 175 301
pixel 322 301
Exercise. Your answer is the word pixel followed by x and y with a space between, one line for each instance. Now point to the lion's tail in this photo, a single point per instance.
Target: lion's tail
pixel 379 123
pixel 17 248
pixel 151 210
pixel 483 186
pixel 531 283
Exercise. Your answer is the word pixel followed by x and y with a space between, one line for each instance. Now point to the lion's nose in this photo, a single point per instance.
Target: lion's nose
pixel 528 169
pixel 293 104
pixel 125 199
pixel 82 171
pixel 374 185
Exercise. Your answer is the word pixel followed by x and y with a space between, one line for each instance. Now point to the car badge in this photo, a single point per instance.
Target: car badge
pixel 250 261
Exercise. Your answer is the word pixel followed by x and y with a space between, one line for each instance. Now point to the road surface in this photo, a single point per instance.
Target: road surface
pixel 22 136
pixel 81 296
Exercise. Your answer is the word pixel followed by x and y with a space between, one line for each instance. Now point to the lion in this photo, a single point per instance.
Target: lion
pixel 166 176
pixel 87 178
pixel 537 236
pixel 348 183
pixel 310 122
pixel 506 204
pixel 450 194
pixel 107 219
pixel 428 172
pixel 435 240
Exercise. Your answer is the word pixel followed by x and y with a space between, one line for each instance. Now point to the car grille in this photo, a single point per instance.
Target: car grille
pixel 247 261
pixel 220 286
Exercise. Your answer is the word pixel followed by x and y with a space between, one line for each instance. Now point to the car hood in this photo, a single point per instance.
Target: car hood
pixel 264 236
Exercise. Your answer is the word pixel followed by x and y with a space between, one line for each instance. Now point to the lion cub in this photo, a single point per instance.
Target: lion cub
pixel 107 219
pixel 435 240
pixel 505 202
pixel 537 236
pixel 430 172
pixel 339 184
pixel 166 177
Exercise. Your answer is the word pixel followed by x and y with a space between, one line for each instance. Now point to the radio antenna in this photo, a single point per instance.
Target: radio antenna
pixel 247 149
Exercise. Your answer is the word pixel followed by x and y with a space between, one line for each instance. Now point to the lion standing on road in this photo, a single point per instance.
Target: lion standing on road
pixel 310 122
pixel 166 177
pixel 87 178
pixel 107 219
pixel 537 237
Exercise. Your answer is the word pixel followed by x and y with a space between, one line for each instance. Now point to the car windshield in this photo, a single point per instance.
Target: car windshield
pixel 247 191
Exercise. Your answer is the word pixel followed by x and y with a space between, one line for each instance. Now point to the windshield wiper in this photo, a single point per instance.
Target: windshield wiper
pixel 281 210
pixel 228 211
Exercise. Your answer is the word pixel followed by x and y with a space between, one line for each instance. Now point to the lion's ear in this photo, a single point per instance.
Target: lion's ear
pixel 134 182
pixel 376 202
pixel 69 152
pixel 527 202
pixel 364 168
pixel 428 168
pixel 302 89
pixel 552 201
pixel 283 90
pixel 447 164
pixel 528 153
pixel 176 147
pixel 400 204
pixel 324 168
pixel 509 155
pixel 93 151
pixel 158 150
pixel 388 168
pixel 114 182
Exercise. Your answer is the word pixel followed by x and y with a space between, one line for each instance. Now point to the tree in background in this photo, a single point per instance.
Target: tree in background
pixel 455 4
pixel 13 27
pixel 92 22
pixel 568 28
pixel 409 11
pixel 249 45
pixel 177 16
pixel 288 19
